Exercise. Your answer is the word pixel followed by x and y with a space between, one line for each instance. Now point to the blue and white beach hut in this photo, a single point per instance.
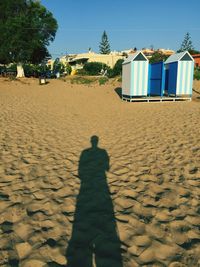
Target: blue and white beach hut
pixel 179 70
pixel 135 76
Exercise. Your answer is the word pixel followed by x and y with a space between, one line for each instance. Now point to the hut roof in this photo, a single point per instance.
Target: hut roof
pixel 138 56
pixel 179 56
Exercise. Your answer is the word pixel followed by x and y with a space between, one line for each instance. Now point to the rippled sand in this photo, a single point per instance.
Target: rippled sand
pixel 147 214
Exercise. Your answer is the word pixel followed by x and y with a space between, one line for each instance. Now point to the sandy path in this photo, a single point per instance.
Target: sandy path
pixel 154 175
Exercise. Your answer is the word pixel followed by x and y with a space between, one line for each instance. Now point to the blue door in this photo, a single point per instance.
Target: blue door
pixel 156 79
pixel 166 81
pixel 172 78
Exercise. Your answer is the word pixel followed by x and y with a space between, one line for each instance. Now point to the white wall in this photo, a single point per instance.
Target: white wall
pixel 126 79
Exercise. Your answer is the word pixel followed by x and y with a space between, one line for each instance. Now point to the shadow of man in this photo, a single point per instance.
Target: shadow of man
pixel 94 235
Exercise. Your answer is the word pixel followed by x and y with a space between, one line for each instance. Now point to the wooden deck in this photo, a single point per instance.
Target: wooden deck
pixel 156 99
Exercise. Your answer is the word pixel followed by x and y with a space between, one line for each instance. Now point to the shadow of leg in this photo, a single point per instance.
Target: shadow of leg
pixel 79 253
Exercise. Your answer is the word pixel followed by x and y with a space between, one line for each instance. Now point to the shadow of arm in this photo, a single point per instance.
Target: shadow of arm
pixel 107 162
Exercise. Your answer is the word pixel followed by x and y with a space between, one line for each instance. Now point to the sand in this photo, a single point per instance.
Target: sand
pixel 131 201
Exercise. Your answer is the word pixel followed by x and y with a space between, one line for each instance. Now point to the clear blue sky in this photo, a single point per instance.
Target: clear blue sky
pixel 128 23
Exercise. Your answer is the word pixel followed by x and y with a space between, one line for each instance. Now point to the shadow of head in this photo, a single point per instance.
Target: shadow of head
pixel 94 141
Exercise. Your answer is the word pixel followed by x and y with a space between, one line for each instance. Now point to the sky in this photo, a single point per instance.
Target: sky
pixel 128 24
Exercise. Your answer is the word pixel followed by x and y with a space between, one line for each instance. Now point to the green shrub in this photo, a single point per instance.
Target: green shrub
pixel 12 78
pixel 33 70
pixel 197 74
pixel 82 80
pixel 68 69
pixel 117 69
pixel 58 66
pixel 12 67
pixel 103 80
pixel 82 72
pixel 94 68
pixel 2 69
pixel 119 79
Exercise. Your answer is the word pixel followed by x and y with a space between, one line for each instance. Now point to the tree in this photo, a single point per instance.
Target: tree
pixel 104 46
pixel 58 66
pixel 157 57
pixel 186 44
pixel 26 29
pixel 194 51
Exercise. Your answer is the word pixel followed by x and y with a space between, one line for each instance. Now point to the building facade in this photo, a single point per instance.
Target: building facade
pixel 196 60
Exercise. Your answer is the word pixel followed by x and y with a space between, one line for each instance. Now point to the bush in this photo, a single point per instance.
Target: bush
pixel 103 80
pixel 82 72
pixel 31 70
pixel 12 67
pixel 58 67
pixel 2 70
pixel 82 80
pixel 197 74
pixel 119 79
pixel 68 69
pixel 10 70
pixel 117 69
pixel 94 68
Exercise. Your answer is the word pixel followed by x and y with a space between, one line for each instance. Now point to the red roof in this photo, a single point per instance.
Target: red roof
pixel 195 55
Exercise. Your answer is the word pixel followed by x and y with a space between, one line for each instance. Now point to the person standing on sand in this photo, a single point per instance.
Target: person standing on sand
pixel 94 235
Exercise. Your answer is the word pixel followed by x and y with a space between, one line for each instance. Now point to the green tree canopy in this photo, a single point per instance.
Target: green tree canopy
pixel 157 57
pixel 194 51
pixel 26 29
pixel 186 44
pixel 104 47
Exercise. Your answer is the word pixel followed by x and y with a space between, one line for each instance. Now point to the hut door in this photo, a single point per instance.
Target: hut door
pixel 166 80
pixel 172 78
pixel 156 79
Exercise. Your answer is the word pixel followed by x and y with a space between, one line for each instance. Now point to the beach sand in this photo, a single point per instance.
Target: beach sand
pixel 53 207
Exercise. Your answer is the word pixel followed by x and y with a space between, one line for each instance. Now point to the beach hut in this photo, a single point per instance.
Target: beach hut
pixel 135 76
pixel 156 84
pixel 179 70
